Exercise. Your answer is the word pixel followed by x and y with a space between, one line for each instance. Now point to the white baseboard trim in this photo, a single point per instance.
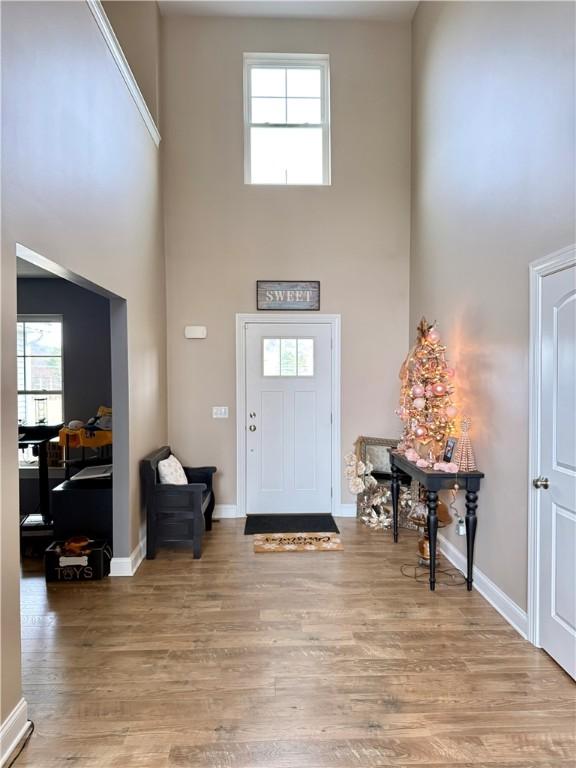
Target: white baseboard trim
pixel 506 607
pixel 346 510
pixel 13 730
pixel 225 511
pixel 127 566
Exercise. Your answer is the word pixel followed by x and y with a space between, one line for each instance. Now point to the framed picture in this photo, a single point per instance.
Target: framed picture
pixel 449 449
pixel 375 450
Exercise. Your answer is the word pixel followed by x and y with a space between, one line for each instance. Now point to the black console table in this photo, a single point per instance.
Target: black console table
pixel 433 482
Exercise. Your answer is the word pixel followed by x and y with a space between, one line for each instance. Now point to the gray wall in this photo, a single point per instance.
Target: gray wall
pixel 223 235
pixel 493 190
pixel 80 186
pixel 86 340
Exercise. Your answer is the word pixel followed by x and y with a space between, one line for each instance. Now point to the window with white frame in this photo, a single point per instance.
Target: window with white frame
pixel 39 350
pixel 286 119
pixel 288 357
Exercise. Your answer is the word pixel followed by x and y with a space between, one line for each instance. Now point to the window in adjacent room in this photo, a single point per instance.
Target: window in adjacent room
pixel 286 119
pixel 40 370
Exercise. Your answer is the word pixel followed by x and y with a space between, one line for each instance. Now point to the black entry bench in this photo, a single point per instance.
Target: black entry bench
pixel 176 513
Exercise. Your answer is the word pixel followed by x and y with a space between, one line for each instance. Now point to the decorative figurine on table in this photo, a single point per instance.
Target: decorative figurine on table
pixel 464 458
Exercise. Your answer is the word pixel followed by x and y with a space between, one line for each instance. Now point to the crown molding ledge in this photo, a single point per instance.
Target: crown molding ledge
pixel 115 48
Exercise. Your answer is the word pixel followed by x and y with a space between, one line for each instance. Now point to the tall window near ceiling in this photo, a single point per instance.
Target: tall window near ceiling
pixel 40 369
pixel 286 119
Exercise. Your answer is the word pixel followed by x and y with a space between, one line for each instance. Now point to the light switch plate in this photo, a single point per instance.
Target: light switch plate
pixel 219 411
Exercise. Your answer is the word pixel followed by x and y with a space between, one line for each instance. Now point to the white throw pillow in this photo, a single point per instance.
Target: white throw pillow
pixel 172 472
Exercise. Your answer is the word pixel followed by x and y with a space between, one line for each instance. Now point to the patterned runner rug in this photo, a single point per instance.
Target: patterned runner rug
pixel 297 542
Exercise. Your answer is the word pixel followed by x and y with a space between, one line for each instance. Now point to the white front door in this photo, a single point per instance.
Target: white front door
pixel 557 531
pixel 288 417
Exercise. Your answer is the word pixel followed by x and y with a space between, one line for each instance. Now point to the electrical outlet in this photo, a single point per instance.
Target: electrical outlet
pixel 220 412
pixel 461 527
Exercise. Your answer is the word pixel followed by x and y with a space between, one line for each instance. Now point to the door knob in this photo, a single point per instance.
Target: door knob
pixel 541 482
pixel 252 428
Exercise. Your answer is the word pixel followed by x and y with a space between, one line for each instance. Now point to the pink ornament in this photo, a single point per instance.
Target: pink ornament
pixel 422 463
pixel 429 390
pixel 451 467
pixel 420 431
pixel 412 455
pixel 417 390
pixel 433 336
pixel 419 403
pixel 439 390
pixel 450 372
pixel 402 413
pixel 451 411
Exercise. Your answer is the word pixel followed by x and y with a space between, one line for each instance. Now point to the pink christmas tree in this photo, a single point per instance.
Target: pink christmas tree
pixel 427 385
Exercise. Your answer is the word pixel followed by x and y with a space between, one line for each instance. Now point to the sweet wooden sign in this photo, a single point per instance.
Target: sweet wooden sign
pixel 288 295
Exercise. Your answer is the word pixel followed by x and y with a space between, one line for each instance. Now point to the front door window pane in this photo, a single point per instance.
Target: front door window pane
pixel 288 357
pixel 305 357
pixel 271 357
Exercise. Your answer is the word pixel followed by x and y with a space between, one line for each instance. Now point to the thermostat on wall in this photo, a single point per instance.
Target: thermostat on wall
pixel 195 332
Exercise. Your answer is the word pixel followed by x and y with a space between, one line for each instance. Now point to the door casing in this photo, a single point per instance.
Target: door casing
pixel 539 269
pixel 242 320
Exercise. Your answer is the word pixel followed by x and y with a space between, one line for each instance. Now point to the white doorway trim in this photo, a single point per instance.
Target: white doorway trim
pixel 539 269
pixel 242 320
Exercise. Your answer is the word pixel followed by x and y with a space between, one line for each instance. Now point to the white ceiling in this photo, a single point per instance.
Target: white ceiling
pixel 399 10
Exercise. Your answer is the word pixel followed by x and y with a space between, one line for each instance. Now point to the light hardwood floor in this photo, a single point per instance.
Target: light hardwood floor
pixel 292 660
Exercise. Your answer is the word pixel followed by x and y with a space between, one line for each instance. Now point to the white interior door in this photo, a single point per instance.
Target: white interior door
pixel 288 417
pixel 557 483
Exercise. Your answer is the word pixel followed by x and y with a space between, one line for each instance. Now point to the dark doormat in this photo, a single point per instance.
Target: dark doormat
pixel 290 524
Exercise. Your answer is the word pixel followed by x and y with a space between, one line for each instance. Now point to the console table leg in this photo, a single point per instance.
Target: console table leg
pixel 395 489
pixel 471 506
pixel 432 534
